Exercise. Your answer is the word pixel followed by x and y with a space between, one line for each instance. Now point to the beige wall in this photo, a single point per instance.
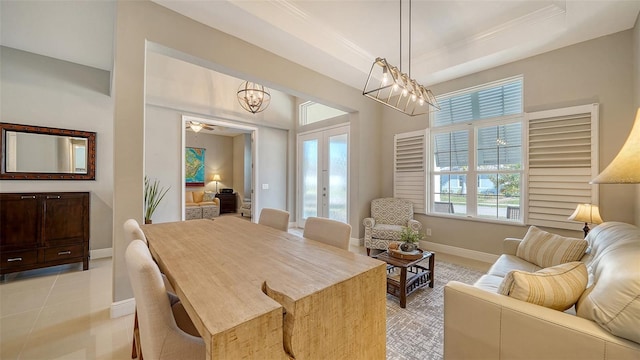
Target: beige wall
pixel 636 92
pixel 141 21
pixel 238 167
pixel 596 71
pixel 42 91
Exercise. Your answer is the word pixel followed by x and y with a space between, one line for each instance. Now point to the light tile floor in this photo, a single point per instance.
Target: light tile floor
pixel 62 312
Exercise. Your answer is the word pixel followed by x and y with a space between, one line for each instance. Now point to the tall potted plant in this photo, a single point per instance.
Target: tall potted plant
pixel 153 194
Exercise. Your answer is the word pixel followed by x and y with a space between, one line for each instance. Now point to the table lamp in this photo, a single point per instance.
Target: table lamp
pixel 216 178
pixel 587 213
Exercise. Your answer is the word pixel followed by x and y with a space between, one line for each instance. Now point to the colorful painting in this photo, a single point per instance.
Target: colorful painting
pixel 194 166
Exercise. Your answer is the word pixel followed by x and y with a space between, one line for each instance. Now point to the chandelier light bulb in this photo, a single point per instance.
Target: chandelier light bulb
pixel 405 92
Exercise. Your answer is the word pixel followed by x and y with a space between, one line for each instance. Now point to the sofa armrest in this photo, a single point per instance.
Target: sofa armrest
pixel 510 246
pixel 369 222
pixel 482 324
pixel 414 225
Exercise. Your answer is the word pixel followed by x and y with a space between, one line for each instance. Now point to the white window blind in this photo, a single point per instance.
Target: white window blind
pixel 562 159
pixel 409 164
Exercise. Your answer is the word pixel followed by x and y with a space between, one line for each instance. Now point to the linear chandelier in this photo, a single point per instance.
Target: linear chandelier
pixel 388 85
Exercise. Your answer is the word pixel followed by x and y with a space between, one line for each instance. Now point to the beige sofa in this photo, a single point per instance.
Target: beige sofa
pixel 201 204
pixel 605 323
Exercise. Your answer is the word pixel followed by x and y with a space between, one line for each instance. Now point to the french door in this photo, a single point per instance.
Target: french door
pixel 323 174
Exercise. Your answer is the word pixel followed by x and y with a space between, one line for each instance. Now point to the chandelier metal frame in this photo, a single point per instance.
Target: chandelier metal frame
pixel 397 89
pixel 253 97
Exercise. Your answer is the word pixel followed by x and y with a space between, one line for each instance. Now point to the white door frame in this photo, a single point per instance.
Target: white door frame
pixel 254 154
pixel 347 126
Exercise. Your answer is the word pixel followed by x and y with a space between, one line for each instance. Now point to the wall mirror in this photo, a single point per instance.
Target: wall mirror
pixel 43 153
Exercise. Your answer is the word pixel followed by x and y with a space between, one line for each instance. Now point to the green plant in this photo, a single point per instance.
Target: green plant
pixel 410 236
pixel 153 194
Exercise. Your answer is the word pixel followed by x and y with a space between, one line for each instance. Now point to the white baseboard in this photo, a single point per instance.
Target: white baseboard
pixel 466 253
pixel 101 253
pixel 356 241
pixel 123 308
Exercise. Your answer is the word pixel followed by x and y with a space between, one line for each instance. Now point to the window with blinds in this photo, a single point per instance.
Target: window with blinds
pixel 477 153
pixel 562 159
pixel 409 163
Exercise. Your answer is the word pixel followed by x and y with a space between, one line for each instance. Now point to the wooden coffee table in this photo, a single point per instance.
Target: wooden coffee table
pixel 406 276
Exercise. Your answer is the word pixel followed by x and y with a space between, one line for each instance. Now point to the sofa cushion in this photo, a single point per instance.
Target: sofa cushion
pixel 546 249
pixel 188 197
pixel 387 232
pixel 557 287
pixel 613 298
pixel 208 196
pixel 489 283
pixel 197 196
pixel 506 263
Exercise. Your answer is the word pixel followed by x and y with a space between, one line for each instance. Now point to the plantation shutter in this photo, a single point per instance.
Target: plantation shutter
pixel 409 164
pixel 562 159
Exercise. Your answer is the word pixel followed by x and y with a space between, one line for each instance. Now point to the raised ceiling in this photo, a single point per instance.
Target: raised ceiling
pixel 449 38
pixel 338 38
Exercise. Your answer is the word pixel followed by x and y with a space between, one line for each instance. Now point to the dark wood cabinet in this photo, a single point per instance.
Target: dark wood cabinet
pixel 227 202
pixel 43 229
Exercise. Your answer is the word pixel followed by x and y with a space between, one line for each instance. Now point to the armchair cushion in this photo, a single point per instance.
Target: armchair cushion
pixel 387 232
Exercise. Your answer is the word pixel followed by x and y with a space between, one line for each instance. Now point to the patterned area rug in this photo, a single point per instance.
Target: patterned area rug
pixel 417 332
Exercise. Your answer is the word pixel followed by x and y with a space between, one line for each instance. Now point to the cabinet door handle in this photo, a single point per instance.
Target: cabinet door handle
pixel 14 259
pixel 68 252
pixel 53 196
pixel 23 197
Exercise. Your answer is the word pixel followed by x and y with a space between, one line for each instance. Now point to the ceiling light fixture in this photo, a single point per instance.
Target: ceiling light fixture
pixel 253 97
pixel 195 126
pixel 397 89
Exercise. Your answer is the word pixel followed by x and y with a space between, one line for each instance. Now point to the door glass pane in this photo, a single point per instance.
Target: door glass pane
pixel 338 177
pixel 310 178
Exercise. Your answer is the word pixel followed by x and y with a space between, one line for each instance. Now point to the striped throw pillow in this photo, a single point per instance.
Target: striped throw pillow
pixel 545 249
pixel 557 287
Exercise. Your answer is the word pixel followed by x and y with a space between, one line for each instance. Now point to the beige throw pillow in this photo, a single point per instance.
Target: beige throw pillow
pixel 546 249
pixel 557 287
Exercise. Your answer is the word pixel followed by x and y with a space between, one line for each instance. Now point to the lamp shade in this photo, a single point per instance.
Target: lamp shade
pixel 216 177
pixel 587 213
pixel 625 167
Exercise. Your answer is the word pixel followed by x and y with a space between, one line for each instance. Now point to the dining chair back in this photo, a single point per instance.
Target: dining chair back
pixel 132 231
pixel 328 231
pixel 277 219
pixel 159 333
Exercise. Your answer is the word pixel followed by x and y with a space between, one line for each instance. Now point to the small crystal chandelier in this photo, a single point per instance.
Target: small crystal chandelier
pixel 397 89
pixel 253 97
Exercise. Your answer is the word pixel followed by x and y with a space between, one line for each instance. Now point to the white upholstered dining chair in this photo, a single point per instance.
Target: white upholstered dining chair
pixel 277 219
pixel 132 231
pixel 160 331
pixel 328 231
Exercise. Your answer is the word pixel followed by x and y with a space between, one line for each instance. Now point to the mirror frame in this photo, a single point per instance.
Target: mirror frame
pixel 91 153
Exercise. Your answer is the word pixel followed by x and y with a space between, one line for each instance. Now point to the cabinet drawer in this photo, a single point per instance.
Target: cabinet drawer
pixel 15 259
pixel 62 252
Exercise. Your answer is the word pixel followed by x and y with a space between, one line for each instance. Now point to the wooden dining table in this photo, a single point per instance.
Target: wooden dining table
pixel 254 292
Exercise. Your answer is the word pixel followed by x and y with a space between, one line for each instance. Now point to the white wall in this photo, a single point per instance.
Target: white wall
pixel 38 90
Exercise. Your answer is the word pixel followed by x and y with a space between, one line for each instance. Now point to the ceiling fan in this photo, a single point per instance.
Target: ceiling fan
pixel 197 126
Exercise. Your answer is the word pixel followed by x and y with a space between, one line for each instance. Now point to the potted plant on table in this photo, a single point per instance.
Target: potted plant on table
pixel 410 238
pixel 153 194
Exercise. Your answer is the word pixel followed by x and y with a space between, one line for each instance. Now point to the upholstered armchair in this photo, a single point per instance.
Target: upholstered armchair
pixel 388 217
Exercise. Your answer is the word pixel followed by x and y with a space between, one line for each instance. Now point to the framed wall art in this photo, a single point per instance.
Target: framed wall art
pixel 194 166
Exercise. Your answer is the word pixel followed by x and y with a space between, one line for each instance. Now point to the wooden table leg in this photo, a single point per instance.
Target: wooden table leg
pixel 403 287
pixel 432 263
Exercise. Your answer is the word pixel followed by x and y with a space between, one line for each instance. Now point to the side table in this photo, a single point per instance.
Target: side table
pixel 411 276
